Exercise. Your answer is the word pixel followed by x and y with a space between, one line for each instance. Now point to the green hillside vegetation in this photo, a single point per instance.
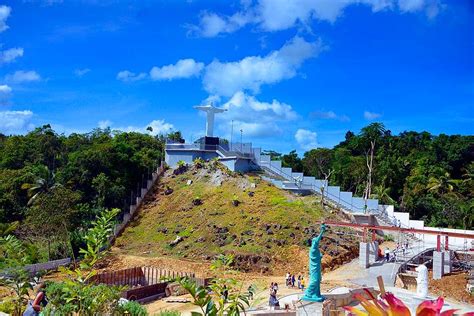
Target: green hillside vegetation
pixel 221 212
pixel 429 176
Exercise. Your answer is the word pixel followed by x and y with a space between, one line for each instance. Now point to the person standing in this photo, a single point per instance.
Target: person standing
pixel 299 281
pixel 293 280
pixel 38 304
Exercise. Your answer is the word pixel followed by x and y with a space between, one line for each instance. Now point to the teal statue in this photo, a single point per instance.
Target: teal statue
pixel 313 292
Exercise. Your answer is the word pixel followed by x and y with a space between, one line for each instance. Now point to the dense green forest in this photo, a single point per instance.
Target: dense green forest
pixel 53 186
pixel 429 176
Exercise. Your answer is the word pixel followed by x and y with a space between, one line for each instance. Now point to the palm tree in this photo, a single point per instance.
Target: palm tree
pixel 382 194
pixel 44 183
pixel 442 184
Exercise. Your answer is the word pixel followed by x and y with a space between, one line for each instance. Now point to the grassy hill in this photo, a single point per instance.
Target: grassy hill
pixel 267 231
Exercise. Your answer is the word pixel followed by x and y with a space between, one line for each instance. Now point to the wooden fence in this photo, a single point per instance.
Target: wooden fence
pixel 145 283
pixel 138 276
pixel 46 266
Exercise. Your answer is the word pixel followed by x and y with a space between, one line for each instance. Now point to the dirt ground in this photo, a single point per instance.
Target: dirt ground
pixel 453 286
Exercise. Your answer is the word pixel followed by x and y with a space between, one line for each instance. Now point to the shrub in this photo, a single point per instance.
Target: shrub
pixel 169 313
pixel 132 308
pixel 235 200
pixel 199 162
pixel 182 167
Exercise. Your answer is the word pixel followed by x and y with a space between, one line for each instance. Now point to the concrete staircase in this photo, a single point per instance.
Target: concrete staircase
pixel 285 178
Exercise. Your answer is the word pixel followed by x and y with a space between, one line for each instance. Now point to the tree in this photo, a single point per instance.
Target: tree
pixel 291 160
pixel 44 183
pixel 371 134
pixel 442 184
pixel 51 218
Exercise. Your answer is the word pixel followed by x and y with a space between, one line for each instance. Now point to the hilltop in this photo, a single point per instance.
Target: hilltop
pixel 216 211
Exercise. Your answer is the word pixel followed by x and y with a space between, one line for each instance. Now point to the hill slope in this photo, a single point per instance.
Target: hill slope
pixel 267 232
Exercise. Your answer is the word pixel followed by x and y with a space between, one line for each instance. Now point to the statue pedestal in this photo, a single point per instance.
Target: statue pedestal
pixel 307 308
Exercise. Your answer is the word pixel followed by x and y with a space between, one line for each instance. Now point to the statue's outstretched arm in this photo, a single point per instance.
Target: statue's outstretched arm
pixel 318 238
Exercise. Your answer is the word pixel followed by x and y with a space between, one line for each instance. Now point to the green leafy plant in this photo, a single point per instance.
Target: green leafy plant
pixel 169 313
pixel 223 296
pixel 13 274
pixel 199 162
pixel 77 294
pixel 235 200
pixel 132 308
pixel 181 167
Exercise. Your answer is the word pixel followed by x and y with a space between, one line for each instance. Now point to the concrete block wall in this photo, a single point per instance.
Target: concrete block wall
pixel 118 228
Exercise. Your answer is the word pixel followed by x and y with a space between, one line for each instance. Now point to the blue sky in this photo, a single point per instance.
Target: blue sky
pixel 293 74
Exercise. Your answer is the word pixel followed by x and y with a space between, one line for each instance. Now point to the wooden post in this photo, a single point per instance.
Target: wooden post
pixel 381 285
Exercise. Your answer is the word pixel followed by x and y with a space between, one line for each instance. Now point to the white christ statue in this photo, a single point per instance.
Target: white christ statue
pixel 210 111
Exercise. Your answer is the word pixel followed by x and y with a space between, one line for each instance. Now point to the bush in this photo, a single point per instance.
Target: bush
pixel 7 306
pixel 199 162
pixel 182 167
pixel 235 200
pixel 132 308
pixel 169 313
pixel 388 238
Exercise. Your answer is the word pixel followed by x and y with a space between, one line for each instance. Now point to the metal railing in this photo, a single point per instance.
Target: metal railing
pixel 305 186
pixel 225 152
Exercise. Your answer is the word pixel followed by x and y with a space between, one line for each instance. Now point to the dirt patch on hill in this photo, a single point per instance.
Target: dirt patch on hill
pixel 452 285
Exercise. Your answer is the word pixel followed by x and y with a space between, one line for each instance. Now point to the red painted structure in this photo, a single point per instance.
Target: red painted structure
pixel 374 228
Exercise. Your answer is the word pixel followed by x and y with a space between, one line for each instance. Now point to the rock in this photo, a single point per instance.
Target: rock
pixel 189 182
pixel 253 185
pixel 269 231
pixel 176 241
pixel 168 191
pixel 201 239
pixel 248 232
pixel 292 235
pixel 197 201
pixel 163 230
pixel 251 193
pixel 277 226
pixel 177 231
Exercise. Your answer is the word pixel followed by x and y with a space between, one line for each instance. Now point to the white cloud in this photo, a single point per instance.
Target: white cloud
pixel 9 55
pixel 15 122
pixel 81 72
pixel 276 15
pixel 254 117
pixel 306 139
pixel 212 24
pixel 430 7
pixel 329 115
pixel 5 89
pixel 104 124
pixel 23 76
pixel 127 76
pixel 227 78
pixel 4 14
pixel 184 68
pixel 158 127
pixel 371 115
